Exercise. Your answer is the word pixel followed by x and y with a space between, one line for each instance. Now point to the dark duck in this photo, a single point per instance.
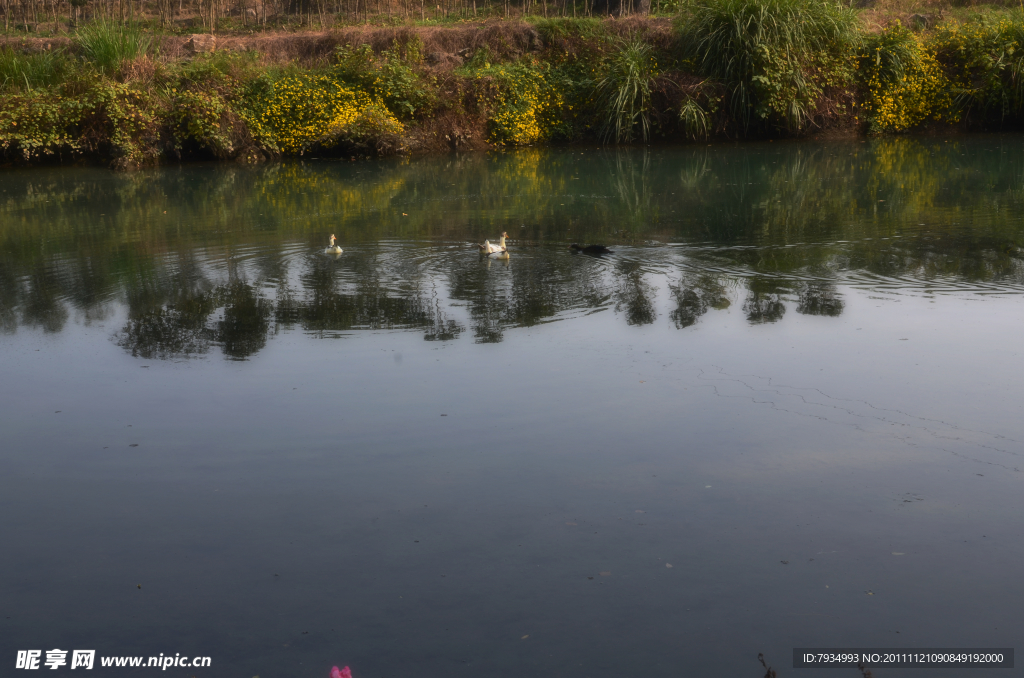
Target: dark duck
pixel 590 249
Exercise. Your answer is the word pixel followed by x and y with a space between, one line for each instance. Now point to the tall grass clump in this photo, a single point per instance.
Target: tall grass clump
pixel 27 72
pixel 778 57
pixel 108 44
pixel 624 93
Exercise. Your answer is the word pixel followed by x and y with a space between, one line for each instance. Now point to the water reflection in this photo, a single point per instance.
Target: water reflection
pixel 198 257
pixel 695 296
pixel 820 298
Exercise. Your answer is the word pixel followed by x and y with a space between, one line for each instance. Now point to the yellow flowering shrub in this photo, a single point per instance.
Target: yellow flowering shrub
pixel 984 61
pixel 302 111
pixel 905 85
pixel 526 107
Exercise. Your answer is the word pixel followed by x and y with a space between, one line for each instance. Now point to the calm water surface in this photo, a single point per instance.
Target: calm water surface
pixel 787 411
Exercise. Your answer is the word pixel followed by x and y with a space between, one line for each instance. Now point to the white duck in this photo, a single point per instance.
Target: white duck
pixel 490 248
pixel 333 249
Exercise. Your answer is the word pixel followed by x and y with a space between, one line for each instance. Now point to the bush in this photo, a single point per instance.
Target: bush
pixel 387 77
pixel 525 107
pixel 108 115
pixel 904 84
pixel 984 62
pixel 38 123
pixel 197 116
pixel 777 56
pixel 300 112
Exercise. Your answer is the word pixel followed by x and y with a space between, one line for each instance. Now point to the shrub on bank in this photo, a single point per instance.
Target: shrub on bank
pixel 739 67
pixel 300 112
pixel 524 105
pixel 984 62
pixel 904 84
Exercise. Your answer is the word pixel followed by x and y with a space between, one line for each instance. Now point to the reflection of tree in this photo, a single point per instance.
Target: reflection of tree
pixel 168 311
pixel 42 305
pixel 820 298
pixel 8 299
pixel 763 304
pixel 175 330
pixel 635 295
pixel 243 330
pixel 371 305
pixel 694 296
pixel 532 288
pixel 442 328
pixel 915 211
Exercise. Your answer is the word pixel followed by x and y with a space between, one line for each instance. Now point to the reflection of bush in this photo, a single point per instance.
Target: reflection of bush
pixel 823 213
pixel 820 299
pixel 694 300
pixel 763 307
pixel 177 330
pixel 243 330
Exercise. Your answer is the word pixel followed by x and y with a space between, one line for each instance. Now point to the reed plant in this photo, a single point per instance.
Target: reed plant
pixel 776 56
pixel 108 44
pixel 624 93
pixel 695 120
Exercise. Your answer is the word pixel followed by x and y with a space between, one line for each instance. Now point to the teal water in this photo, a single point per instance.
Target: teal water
pixel 784 412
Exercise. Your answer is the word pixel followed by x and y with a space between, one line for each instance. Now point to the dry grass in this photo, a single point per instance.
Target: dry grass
pixel 506 40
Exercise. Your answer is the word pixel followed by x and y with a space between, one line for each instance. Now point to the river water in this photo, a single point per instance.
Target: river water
pixel 786 411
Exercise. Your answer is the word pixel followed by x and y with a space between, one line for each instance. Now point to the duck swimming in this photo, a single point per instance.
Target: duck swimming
pixel 590 249
pixel 489 248
pixel 333 249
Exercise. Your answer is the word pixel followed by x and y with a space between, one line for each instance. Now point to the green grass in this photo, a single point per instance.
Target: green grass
pixel 26 72
pixel 108 44
pixel 768 52
pixel 569 27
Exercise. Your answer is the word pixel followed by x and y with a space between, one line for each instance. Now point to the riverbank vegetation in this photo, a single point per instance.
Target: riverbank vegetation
pixel 127 87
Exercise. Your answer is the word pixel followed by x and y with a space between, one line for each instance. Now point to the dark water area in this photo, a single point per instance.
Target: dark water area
pixel 784 412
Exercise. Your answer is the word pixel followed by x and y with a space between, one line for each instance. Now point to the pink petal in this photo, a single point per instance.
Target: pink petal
pixel 343 673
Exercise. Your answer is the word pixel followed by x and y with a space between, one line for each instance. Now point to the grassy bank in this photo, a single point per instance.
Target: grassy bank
pixel 120 93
